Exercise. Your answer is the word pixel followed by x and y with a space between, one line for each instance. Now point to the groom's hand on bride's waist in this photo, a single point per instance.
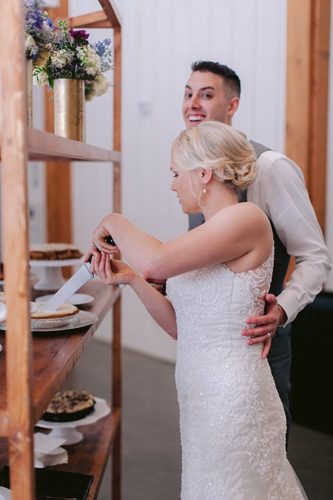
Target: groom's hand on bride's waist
pixel 261 329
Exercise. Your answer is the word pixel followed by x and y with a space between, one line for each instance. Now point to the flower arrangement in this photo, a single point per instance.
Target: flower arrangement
pixel 70 55
pixel 39 30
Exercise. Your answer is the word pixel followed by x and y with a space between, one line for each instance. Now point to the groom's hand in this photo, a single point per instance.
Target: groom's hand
pixel 160 285
pixel 262 328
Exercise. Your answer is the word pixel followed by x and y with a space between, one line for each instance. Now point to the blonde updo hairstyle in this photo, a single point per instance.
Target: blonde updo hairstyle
pixel 217 146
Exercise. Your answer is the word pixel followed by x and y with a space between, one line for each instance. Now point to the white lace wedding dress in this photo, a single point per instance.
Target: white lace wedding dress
pixel 231 419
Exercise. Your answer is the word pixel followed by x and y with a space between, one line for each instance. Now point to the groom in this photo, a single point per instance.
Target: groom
pixel 213 93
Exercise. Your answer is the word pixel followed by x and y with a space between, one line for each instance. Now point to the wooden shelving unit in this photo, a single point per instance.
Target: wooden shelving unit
pixel 33 368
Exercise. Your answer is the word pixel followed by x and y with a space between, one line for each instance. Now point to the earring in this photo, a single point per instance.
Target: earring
pixel 204 190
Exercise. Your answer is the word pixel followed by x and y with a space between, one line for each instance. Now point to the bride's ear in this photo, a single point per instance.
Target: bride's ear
pixel 206 175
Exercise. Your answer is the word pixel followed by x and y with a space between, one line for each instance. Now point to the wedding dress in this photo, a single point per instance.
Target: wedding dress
pixel 232 421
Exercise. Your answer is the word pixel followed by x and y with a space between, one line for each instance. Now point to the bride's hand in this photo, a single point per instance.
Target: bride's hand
pixel 111 271
pixel 102 239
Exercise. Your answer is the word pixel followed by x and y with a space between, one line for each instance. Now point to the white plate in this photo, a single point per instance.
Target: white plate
pixel 77 299
pixel 68 431
pixel 101 410
pixel 83 318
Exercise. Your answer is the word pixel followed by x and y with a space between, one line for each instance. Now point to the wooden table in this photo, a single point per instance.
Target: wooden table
pixel 54 356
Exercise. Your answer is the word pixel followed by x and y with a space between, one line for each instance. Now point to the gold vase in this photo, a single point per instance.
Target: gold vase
pixel 29 91
pixel 69 108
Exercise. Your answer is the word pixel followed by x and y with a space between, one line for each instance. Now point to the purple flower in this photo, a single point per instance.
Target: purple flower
pixel 79 34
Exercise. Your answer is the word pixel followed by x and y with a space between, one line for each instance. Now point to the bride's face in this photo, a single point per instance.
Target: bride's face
pixel 185 185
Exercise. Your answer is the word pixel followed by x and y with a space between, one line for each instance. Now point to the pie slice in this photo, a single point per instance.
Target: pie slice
pixel 69 405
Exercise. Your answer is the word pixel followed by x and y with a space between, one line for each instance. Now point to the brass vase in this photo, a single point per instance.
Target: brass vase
pixel 69 108
pixel 29 91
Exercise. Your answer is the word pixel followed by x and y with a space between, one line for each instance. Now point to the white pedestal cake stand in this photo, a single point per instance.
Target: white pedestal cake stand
pixel 68 431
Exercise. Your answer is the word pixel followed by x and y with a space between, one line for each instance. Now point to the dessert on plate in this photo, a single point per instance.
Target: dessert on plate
pixel 69 405
pixel 63 311
pixel 43 319
pixel 54 251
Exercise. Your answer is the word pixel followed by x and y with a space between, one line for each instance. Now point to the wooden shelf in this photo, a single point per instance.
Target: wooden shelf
pixel 111 12
pixel 54 355
pixel 42 146
pixel 34 367
pixel 46 146
pixel 90 456
pixel 93 20
pixel 107 18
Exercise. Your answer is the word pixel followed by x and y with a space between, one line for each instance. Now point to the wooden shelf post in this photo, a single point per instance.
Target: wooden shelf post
pixel 16 242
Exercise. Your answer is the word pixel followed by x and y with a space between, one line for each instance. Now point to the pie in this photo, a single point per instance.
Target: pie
pixel 54 251
pixel 63 311
pixel 69 405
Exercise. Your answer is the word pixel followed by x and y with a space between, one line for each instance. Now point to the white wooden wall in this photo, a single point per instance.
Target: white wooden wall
pixel 160 40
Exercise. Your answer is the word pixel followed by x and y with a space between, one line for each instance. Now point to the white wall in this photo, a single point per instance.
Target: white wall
pixel 160 40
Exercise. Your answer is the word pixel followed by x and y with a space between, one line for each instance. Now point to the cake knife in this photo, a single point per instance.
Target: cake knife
pixel 74 283
pixel 78 279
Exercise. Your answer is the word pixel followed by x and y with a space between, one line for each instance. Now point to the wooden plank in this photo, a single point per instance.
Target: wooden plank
pixel 43 145
pixel 4 420
pixel 307 94
pixel 117 91
pixel 112 12
pixel 117 120
pixel 59 212
pixel 16 244
pixel 116 397
pixel 116 346
pixel 320 43
pixel 58 177
pixel 298 83
pixel 92 20
pixel 91 455
pixel 54 354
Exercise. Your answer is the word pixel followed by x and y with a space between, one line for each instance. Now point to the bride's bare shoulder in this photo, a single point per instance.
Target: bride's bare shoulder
pixel 244 211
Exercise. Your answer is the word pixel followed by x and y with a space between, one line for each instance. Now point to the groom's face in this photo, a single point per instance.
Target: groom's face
pixel 207 98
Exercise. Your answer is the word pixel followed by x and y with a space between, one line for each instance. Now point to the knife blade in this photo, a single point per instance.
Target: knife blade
pixel 78 279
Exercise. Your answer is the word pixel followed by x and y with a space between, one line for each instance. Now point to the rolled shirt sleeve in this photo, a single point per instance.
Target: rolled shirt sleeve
pixel 280 191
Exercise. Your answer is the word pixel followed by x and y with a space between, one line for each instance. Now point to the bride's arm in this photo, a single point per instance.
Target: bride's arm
pixel 228 235
pixel 116 272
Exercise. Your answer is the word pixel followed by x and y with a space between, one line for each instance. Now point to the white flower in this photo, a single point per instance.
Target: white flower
pixel 60 58
pixel 90 59
pixel 98 87
pixel 39 78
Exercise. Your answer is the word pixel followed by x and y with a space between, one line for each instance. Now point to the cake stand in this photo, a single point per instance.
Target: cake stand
pixel 68 431
pixel 51 277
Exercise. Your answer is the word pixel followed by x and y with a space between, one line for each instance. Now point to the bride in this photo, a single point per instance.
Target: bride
pixel 231 418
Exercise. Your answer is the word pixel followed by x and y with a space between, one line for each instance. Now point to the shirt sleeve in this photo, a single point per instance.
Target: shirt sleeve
pixel 280 191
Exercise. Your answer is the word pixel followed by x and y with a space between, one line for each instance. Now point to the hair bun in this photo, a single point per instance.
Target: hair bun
pixel 220 147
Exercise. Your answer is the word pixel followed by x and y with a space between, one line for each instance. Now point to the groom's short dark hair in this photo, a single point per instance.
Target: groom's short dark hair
pixel 230 77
